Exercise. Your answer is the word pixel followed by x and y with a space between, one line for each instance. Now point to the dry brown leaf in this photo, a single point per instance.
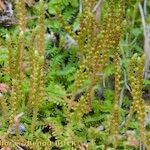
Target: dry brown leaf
pixel 83 146
pixel 6 148
pixel 4 88
pixel 131 139
pixel 2 5
pixel 30 2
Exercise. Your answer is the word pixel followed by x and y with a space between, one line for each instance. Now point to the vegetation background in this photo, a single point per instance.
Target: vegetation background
pixel 75 73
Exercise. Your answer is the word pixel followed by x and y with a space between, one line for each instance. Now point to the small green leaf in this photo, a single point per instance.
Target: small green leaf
pixel 74 3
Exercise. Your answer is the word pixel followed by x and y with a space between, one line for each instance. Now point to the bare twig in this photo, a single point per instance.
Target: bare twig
pixel 145 7
pixel 146 41
pixel 80 6
pixel 97 10
pixel 143 18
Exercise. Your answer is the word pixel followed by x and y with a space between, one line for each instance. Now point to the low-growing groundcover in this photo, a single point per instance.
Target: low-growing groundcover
pixel 72 75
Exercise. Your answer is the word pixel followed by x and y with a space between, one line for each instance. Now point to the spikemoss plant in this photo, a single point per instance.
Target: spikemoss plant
pixel 138 106
pixel 62 119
